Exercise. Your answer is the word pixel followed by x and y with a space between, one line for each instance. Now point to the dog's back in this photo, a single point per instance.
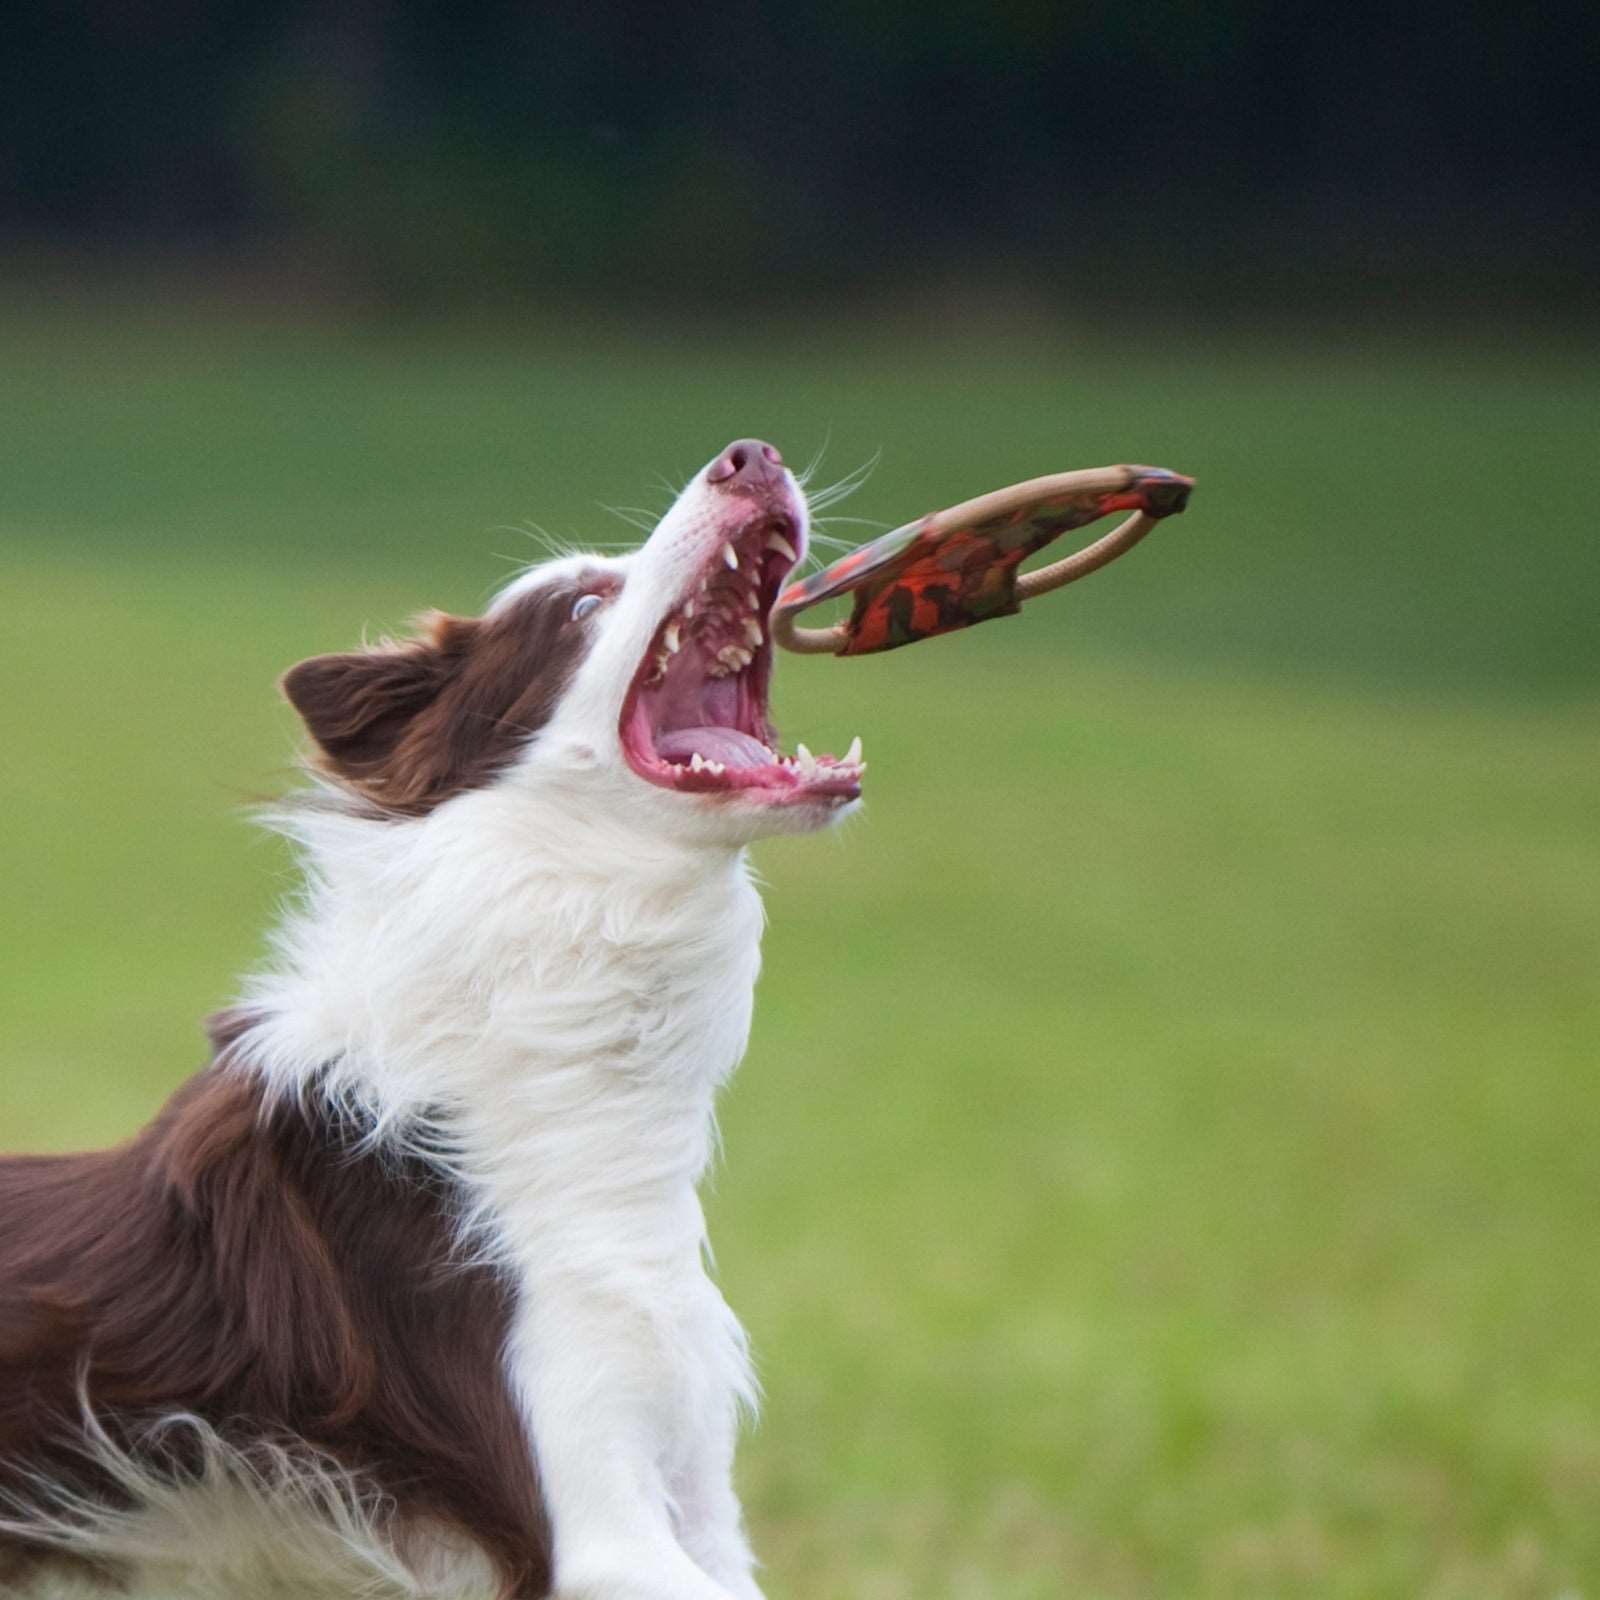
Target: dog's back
pixel 252 1304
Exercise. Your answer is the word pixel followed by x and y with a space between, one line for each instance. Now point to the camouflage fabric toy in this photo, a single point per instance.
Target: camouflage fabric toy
pixel 953 568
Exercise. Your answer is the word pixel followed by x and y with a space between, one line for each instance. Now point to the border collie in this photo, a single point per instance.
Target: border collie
pixel 405 1293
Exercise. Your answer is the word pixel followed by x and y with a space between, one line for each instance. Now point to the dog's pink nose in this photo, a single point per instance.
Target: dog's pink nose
pixel 746 461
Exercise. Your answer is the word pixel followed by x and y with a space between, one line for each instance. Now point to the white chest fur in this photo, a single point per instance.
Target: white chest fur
pixel 558 1009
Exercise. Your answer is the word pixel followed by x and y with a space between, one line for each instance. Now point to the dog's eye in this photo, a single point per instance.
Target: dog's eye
pixel 585 604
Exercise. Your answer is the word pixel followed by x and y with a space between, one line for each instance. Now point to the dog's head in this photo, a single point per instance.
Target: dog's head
pixel 637 684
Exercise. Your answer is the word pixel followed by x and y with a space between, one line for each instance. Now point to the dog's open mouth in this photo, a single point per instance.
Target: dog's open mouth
pixel 695 717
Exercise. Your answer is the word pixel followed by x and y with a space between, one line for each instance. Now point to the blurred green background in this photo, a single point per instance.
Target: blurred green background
pixel 1165 1165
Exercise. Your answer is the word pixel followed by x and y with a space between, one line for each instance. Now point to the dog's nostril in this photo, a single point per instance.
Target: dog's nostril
pixel 746 461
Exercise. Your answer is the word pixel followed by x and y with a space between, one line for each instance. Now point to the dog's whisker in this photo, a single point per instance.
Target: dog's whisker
pixel 860 522
pixel 832 543
pixel 634 516
pixel 843 487
pixel 516 563
pixel 809 471
pixel 557 547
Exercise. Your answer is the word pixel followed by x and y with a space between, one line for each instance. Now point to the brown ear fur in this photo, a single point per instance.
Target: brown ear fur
pixel 412 724
pixel 357 704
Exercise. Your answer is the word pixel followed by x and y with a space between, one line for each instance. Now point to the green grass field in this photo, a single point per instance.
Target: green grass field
pixel 1166 1164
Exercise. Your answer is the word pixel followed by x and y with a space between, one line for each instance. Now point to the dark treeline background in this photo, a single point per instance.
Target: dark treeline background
pixel 429 151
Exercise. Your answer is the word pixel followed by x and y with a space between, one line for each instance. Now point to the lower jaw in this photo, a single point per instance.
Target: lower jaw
pixel 801 779
pixel 771 785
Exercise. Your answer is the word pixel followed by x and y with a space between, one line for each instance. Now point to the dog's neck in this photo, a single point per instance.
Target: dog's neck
pixel 501 977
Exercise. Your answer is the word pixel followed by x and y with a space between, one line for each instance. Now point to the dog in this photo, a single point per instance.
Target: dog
pixel 405 1293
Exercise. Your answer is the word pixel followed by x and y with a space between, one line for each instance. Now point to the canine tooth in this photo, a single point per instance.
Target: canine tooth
pixel 853 754
pixel 730 557
pixel 752 599
pixel 752 630
pixel 670 637
pixel 802 754
pixel 696 761
pixel 776 541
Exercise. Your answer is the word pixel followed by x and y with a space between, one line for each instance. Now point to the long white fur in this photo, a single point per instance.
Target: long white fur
pixel 262 1522
pixel 549 978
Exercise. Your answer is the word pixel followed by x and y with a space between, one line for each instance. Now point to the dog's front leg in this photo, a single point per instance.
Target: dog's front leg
pixel 710 1520
pixel 589 1370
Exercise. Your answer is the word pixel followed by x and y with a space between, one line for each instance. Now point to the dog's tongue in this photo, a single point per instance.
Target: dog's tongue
pixel 727 745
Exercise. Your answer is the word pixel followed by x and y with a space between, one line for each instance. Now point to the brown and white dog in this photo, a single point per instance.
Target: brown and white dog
pixel 405 1293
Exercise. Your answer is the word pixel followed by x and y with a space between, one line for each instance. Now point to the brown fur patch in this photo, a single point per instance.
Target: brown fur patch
pixel 409 725
pixel 260 1268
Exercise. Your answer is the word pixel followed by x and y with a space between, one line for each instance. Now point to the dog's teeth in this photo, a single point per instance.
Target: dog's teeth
pixel 696 761
pixel 688 609
pixel 730 558
pixel 776 541
pixel 753 600
pixel 752 630
pixel 802 754
pixel 716 768
pixel 670 638
pixel 853 754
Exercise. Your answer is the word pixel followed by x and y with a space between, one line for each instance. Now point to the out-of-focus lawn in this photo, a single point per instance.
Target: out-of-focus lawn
pixel 1166 1164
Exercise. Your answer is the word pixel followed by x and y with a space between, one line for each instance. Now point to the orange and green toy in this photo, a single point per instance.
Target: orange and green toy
pixel 954 568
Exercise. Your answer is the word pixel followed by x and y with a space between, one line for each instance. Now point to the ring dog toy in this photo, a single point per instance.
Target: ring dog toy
pixel 954 568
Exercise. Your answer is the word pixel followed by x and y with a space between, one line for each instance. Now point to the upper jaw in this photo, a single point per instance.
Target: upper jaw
pixel 695 716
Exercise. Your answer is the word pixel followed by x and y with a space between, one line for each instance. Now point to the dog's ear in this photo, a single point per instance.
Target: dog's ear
pixel 360 705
